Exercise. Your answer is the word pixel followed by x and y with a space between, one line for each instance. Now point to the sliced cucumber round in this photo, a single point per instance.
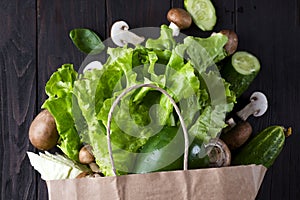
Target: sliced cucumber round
pixel 245 63
pixel 240 70
pixel 203 13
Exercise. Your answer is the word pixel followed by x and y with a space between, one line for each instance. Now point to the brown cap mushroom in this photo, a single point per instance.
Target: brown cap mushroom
pixel 42 132
pixel 179 19
pixel 218 153
pixel 85 155
pixel 232 43
pixel 238 135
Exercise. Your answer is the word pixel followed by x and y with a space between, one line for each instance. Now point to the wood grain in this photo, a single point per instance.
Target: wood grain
pixel 177 4
pixel 18 97
pixel 271 32
pixel 150 13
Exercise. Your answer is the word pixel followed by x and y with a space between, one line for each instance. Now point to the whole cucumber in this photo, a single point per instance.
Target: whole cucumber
pixel 263 149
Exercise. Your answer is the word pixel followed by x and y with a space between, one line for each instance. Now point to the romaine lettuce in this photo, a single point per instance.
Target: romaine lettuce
pixel 59 88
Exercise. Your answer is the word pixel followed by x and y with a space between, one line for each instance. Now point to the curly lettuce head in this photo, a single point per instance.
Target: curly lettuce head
pixel 185 69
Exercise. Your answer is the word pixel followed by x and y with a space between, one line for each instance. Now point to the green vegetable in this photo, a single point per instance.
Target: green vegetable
pixel 142 112
pixel 54 167
pixel 164 152
pixel 203 96
pixel 94 92
pixel 218 41
pixel 205 50
pixel 240 71
pixel 59 88
pixel 86 41
pixel 165 41
pixel 203 13
pixel 197 157
pixel 263 149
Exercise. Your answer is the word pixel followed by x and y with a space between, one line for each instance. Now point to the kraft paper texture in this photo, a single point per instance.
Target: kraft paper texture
pixel 238 182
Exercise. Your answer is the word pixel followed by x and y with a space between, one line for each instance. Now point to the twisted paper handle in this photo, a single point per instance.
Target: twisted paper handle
pixel 118 99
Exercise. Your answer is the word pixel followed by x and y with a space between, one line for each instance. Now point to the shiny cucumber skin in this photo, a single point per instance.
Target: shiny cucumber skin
pixel 263 149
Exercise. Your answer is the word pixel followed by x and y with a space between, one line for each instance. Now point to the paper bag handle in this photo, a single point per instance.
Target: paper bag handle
pixel 118 99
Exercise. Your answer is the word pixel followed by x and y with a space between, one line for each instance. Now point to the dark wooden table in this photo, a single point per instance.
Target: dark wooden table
pixel 34 43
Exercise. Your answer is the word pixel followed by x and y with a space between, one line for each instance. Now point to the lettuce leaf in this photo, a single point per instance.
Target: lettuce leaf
pixel 213 107
pixel 59 88
pixel 55 167
pixel 165 41
pixel 94 91
pixel 203 52
pixel 214 45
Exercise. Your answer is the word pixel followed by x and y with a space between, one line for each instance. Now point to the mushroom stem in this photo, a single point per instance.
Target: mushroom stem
pixel 94 167
pixel 231 122
pixel 175 29
pixel 121 35
pixel 245 112
pixel 131 38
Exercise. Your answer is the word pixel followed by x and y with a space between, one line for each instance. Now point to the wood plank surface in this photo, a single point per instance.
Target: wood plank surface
pixel 272 32
pixel 150 13
pixel 17 97
pixel 34 42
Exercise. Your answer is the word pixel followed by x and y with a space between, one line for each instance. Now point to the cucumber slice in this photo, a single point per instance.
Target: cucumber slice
pixel 203 13
pixel 245 63
pixel 240 71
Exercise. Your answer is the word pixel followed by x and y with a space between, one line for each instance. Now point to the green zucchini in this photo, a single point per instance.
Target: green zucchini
pixel 164 152
pixel 263 149
pixel 240 70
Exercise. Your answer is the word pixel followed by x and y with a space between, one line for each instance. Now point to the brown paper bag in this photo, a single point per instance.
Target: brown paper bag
pixel 239 182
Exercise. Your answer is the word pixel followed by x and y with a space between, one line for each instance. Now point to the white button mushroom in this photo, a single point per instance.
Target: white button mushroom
pixel 179 19
pixel 93 65
pixel 257 107
pixel 121 35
